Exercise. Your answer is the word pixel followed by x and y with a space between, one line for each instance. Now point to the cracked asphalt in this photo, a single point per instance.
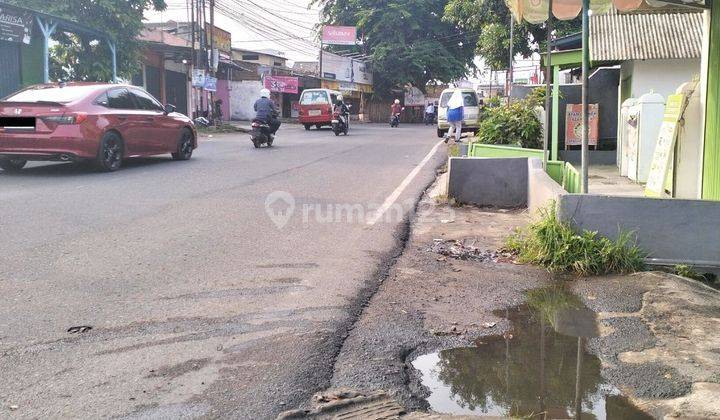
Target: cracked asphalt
pixel 200 306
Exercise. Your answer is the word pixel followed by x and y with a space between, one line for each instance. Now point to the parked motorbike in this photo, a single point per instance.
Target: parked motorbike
pixel 339 122
pixel 260 134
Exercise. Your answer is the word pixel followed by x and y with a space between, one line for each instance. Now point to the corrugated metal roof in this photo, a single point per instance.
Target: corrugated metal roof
pixel 645 36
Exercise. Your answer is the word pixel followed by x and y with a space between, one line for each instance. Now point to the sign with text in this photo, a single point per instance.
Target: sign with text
pixel 198 78
pixel 339 35
pixel 665 145
pixel 282 84
pixel 210 84
pixel 221 38
pixel 15 25
pixel 574 126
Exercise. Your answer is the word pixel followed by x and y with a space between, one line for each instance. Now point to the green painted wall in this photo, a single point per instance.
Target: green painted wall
pixel 31 61
pixel 572 182
pixel 500 151
pixel 711 154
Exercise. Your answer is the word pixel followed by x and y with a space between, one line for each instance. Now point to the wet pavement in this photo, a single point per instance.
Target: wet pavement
pixel 531 370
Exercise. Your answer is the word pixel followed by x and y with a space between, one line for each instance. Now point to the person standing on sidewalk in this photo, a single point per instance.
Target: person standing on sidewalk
pixel 455 116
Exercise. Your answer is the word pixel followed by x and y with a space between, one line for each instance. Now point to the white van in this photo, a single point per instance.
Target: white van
pixel 471 111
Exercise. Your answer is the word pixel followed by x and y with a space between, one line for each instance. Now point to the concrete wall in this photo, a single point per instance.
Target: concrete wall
pixel 676 230
pixel 603 90
pixel 542 190
pixel 661 76
pixel 243 95
pixel 488 182
pixel 597 157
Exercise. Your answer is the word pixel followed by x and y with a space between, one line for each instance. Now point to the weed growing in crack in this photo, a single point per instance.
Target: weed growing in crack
pixel 555 245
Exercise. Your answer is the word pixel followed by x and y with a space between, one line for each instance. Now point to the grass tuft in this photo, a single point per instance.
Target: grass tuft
pixel 556 246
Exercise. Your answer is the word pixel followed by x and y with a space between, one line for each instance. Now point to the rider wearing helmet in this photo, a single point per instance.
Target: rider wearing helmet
pixel 266 111
pixel 343 109
pixel 396 108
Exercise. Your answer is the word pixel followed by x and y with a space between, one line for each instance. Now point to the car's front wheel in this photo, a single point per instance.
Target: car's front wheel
pixel 184 146
pixel 12 165
pixel 110 153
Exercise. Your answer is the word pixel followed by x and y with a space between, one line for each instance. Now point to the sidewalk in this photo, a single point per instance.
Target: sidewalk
pixel 456 336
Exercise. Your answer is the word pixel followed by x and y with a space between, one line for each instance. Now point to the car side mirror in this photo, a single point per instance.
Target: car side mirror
pixel 169 109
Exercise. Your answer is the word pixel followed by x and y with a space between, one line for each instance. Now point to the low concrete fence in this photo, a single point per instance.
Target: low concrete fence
pixel 488 182
pixel 670 230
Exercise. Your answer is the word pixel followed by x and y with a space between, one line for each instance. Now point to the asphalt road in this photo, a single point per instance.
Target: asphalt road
pixel 200 305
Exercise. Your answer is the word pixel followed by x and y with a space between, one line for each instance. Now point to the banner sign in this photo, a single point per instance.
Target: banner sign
pixel 282 84
pixel 662 157
pixel 15 25
pixel 221 38
pixel 574 126
pixel 210 84
pixel 198 78
pixel 339 35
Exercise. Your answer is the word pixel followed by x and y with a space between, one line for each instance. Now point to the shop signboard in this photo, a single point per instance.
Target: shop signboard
pixel 339 35
pixel 281 84
pixel 222 39
pixel 574 126
pixel 15 25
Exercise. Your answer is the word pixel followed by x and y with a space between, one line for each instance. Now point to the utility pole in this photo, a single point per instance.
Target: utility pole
pixel 510 64
pixel 212 56
pixel 320 72
pixel 548 78
pixel 193 57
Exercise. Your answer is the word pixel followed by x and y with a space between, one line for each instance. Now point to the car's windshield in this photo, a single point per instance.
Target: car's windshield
pixel 314 97
pixel 51 94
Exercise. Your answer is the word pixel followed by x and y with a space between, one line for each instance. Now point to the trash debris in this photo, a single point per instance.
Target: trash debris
pixel 446 221
pixel 462 250
pixel 79 329
pixel 489 324
pixel 14 407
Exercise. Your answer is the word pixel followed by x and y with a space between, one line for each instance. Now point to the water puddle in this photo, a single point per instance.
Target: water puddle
pixel 538 370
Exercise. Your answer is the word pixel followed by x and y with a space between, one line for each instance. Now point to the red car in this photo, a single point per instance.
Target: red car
pixel 103 123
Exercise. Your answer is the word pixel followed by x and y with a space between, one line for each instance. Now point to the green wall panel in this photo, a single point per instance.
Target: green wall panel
pixel 711 153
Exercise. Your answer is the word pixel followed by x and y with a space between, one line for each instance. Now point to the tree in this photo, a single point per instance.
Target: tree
pixel 489 20
pixel 79 56
pixel 407 40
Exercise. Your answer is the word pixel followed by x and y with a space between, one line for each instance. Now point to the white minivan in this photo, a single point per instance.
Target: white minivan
pixel 471 110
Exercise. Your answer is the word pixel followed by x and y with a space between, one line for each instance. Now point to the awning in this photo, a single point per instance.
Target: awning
pixel 536 11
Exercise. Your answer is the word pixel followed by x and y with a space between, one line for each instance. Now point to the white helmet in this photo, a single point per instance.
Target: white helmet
pixel 339 98
pixel 397 101
pixel 264 93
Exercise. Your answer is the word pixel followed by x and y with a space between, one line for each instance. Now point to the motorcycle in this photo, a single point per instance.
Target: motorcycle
pixel 260 134
pixel 395 119
pixel 339 122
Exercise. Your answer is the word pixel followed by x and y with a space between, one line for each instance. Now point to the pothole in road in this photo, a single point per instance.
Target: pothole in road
pixel 530 371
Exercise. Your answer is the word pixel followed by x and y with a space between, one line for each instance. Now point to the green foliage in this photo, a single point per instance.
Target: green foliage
pixel 490 20
pixel 76 56
pixel 536 97
pixel 514 125
pixel 690 272
pixel 408 41
pixel 557 247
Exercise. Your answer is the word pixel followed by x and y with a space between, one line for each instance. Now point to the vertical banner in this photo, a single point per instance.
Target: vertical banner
pixel 573 125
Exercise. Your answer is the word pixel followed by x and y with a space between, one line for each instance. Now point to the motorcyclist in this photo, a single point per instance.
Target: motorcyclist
pixel 266 111
pixel 395 108
pixel 343 109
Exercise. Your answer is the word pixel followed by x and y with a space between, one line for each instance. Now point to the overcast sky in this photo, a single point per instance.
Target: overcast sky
pixel 287 25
